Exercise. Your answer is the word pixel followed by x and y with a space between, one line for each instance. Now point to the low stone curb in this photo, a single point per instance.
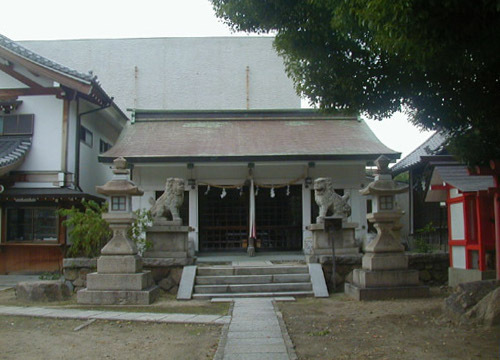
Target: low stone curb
pixel 114 315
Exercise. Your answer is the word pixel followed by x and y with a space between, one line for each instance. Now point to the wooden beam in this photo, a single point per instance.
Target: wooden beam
pixel 10 71
pixel 14 93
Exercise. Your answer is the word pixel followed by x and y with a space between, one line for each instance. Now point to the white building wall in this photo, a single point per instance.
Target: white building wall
pixel 8 82
pixel 45 152
pixel 457 221
pixel 93 173
pixel 181 73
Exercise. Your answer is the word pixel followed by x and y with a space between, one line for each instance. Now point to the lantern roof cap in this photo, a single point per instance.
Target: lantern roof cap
pixel 120 184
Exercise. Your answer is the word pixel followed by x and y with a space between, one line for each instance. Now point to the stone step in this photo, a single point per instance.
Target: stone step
pixel 252 270
pixel 252 279
pixel 254 294
pixel 250 288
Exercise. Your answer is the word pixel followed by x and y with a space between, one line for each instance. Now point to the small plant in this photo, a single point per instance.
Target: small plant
pixel 421 241
pixel 137 232
pixel 88 231
pixel 49 276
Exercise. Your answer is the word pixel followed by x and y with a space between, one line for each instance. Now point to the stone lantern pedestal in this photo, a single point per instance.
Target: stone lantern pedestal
pixel 384 273
pixel 119 279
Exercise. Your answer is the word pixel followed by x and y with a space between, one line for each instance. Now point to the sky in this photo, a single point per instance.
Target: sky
pixel 98 19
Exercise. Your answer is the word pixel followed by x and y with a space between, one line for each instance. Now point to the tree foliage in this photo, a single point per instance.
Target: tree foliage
pixel 439 61
pixel 88 231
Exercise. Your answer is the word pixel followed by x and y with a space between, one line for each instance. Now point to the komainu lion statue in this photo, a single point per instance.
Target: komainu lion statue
pixel 327 199
pixel 168 204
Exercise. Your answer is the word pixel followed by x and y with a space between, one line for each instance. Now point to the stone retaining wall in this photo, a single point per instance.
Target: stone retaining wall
pixel 166 272
pixel 433 268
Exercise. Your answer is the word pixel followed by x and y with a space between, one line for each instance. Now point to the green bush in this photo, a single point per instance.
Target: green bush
pixel 88 231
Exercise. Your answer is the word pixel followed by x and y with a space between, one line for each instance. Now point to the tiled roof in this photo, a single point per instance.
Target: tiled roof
pixel 30 55
pixel 430 147
pixel 246 135
pixel 458 177
pixel 12 151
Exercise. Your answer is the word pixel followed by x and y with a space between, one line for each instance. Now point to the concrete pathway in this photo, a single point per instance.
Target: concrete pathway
pixel 113 315
pixel 255 333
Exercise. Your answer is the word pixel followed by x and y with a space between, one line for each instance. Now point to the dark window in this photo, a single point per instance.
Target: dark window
pixel 86 136
pixel 31 224
pixel 16 124
pixel 103 146
pixel 386 202
pixel 118 203
pixel 369 210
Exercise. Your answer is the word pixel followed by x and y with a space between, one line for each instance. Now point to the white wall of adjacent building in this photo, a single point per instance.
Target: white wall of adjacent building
pixel 45 152
pixel 181 73
pixel 48 158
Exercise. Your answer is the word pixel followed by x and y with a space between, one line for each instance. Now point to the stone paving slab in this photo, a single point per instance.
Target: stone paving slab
pixel 151 317
pixel 114 315
pixel 232 348
pixel 231 299
pixel 255 341
pixel 257 356
pixel 254 332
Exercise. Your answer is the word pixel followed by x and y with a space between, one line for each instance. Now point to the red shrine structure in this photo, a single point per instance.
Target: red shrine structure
pixel 472 200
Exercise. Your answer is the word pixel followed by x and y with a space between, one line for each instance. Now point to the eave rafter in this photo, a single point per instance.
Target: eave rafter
pixel 15 93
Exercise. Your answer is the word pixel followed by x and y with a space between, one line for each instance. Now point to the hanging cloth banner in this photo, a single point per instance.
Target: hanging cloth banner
pixel 253 231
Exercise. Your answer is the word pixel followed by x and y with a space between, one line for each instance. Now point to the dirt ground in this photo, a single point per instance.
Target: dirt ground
pixel 341 328
pixel 38 338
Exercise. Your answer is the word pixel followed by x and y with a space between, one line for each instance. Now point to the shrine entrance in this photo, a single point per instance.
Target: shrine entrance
pixel 224 221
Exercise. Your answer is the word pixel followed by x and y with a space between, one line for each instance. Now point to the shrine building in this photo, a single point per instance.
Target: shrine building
pixel 220 153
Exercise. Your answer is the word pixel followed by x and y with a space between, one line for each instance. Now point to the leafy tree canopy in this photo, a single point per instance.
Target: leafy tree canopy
pixel 437 60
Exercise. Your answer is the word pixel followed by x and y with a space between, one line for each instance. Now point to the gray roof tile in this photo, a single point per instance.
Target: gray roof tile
pixel 30 55
pixel 458 177
pixel 430 147
pixel 13 149
pixel 246 134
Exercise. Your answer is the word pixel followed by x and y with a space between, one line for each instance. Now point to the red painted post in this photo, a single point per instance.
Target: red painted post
pixel 495 166
pixel 497 227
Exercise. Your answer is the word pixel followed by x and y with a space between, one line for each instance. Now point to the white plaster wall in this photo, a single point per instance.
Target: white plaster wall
pixel 8 82
pixel 458 257
pixel 180 73
pixel 45 152
pixel 457 221
pixel 93 173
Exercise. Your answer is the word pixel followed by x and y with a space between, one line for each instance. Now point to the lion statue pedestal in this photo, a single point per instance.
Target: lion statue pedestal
pixel 330 202
pixel 168 237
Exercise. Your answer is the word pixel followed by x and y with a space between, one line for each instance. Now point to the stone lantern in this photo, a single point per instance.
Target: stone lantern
pixel 119 278
pixel 384 272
